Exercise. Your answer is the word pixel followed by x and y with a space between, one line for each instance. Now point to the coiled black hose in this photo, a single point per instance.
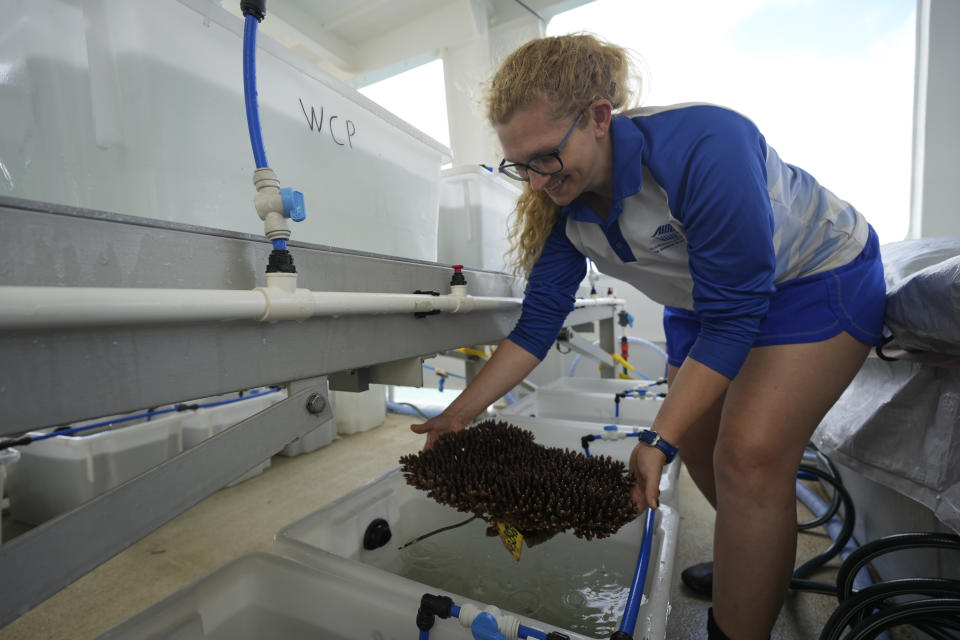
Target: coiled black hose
pixel 799 583
pixel 888 544
pixel 834 506
pixel 944 612
pixel 872 610
pixel 855 609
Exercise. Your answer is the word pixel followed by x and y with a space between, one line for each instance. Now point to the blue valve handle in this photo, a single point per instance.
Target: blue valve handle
pixel 293 204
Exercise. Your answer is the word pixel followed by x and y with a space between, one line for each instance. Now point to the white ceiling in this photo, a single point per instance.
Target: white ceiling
pixel 357 38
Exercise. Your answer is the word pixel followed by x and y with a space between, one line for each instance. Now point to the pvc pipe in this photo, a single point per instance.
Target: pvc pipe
pixel 631 340
pixel 639 576
pixel 44 307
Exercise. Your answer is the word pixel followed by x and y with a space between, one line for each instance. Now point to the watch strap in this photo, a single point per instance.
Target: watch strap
pixel 653 439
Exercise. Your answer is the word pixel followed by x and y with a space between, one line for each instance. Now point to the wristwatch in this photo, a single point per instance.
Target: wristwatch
pixel 653 439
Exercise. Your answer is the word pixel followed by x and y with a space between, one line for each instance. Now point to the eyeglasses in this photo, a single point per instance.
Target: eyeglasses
pixel 547 164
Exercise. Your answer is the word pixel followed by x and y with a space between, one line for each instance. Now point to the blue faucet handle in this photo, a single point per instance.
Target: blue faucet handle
pixel 293 205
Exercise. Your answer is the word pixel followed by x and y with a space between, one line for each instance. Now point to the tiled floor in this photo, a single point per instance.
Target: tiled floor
pixel 245 517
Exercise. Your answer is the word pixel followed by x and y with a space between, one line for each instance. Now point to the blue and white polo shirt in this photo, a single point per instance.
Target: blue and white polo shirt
pixel 705 217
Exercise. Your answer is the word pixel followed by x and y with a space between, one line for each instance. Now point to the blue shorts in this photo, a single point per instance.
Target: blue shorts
pixel 850 298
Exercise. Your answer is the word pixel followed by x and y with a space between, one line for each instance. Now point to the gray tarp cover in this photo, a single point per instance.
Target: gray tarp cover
pixel 898 423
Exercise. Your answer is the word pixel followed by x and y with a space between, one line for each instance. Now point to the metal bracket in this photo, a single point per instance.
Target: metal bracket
pixel 355 380
pixel 585 347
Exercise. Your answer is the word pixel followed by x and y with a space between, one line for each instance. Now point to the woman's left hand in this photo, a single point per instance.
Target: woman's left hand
pixel 646 464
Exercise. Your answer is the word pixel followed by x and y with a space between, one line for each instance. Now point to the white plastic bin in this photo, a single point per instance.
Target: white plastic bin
pixel 8 457
pixel 589 399
pixel 567 584
pixel 201 424
pixel 474 209
pixel 358 411
pixel 262 595
pixel 59 474
pixel 137 107
pixel 316 439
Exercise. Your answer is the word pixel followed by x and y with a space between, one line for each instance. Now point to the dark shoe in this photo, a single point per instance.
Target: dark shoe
pixel 699 578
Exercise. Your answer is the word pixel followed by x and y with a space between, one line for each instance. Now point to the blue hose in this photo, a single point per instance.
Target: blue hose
pixel 639 576
pixel 408 409
pixel 148 415
pixel 250 90
pixel 530 632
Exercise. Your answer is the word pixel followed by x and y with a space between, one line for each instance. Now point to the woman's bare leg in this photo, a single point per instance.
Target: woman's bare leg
pixel 770 411
pixel 696 447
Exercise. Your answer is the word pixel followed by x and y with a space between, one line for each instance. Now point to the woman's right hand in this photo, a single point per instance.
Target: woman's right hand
pixel 436 427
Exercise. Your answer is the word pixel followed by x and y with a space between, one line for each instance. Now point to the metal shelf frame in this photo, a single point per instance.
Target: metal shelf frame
pixel 56 376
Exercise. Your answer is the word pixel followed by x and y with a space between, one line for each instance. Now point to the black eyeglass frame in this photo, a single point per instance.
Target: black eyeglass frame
pixel 514 170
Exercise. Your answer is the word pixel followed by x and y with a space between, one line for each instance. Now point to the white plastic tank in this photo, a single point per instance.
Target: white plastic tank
pixel 574 586
pixel 137 107
pixel 359 411
pixel 475 206
pixel 8 457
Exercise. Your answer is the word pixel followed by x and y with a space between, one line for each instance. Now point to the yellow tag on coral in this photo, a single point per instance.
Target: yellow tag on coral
pixel 511 539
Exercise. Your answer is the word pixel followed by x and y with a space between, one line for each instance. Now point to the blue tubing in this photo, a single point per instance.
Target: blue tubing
pixel 280 244
pixel 452 375
pixel 529 632
pixel 147 414
pixel 424 635
pixel 639 576
pixel 250 90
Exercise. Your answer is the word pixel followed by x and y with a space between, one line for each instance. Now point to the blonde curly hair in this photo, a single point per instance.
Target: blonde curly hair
pixel 570 72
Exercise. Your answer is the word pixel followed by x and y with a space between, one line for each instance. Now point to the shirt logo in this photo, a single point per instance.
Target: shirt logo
pixel 665 237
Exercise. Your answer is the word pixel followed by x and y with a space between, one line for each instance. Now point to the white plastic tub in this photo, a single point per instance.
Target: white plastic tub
pixel 262 595
pixel 59 474
pixel 474 209
pixel 359 411
pixel 203 423
pixel 8 457
pixel 137 107
pixel 565 584
pixel 589 399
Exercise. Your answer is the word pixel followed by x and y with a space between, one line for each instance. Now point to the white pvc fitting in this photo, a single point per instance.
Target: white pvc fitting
pixel 613 435
pixel 283 300
pixel 269 204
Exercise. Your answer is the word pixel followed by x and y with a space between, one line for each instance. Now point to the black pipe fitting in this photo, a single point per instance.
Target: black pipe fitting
pixel 377 534
pixel 458 277
pixel 255 8
pixel 585 441
pixel 430 607
pixel 280 261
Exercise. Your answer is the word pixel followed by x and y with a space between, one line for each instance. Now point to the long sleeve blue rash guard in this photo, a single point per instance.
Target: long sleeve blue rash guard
pixel 705 217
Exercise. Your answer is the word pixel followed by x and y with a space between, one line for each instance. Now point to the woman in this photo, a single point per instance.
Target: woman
pixel 772 286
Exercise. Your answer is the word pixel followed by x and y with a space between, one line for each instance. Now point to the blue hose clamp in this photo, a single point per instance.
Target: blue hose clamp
pixel 653 439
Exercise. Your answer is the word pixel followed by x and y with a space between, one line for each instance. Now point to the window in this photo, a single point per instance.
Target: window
pixel 828 82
